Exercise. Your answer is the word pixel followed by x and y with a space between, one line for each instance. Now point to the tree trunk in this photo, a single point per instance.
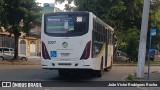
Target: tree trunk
pixel 16 47
pixel 16 39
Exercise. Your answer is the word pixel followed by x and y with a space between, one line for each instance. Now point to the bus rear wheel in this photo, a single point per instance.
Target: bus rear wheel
pixel 98 73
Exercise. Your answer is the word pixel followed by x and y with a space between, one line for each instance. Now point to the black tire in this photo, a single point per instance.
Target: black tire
pixel 98 73
pixel 1 58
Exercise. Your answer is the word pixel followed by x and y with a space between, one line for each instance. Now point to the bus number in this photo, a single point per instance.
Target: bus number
pixel 51 42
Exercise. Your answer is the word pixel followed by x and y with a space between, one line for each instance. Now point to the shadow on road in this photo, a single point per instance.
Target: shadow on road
pixel 75 77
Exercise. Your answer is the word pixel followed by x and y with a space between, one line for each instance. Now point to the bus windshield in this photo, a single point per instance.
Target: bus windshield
pixel 66 25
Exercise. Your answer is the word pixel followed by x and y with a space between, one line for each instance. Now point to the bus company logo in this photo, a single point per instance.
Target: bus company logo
pixel 65 44
pixel 50 19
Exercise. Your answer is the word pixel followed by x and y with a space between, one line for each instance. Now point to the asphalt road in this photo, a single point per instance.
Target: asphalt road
pixel 35 73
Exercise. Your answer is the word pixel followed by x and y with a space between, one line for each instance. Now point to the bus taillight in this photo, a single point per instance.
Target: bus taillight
pixel 45 52
pixel 86 52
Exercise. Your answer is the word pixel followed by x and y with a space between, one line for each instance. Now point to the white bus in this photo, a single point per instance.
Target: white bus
pixel 76 41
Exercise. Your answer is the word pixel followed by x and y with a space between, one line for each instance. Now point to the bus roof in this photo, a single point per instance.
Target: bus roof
pixel 75 12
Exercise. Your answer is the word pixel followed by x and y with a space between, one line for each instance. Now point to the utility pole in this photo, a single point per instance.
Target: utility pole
pixel 143 39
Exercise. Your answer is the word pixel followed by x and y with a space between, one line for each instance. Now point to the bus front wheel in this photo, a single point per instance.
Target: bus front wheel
pixel 109 68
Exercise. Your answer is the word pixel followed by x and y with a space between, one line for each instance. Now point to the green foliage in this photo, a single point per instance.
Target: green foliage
pixel 106 10
pixel 130 77
pixel 125 17
pixel 1 10
pixel 20 16
pixel 130 43
pixel 1 3
pixel 154 22
pixel 25 11
pixel 131 17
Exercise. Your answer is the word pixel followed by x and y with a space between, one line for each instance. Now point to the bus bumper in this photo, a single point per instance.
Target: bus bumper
pixel 79 64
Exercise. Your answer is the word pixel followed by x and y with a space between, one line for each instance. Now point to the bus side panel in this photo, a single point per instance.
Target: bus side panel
pixel 97 61
pixel 98 58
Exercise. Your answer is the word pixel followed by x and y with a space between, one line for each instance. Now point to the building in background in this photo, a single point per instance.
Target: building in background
pixel 49 8
pixel 6 40
pixel 28 45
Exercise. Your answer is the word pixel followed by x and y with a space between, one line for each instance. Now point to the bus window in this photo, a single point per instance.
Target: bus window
pixel 60 27
pixel 66 25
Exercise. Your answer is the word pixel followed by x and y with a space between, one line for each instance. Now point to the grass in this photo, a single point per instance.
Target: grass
pixel 152 62
pixel 131 77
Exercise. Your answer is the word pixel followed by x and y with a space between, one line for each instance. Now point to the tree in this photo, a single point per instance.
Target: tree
pixel 154 22
pixel 124 16
pixel 130 43
pixel 20 15
pixel 1 9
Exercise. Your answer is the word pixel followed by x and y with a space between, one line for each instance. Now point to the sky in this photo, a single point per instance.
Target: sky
pixel 60 6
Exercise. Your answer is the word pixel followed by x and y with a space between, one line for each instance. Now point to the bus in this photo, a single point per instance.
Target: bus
pixel 73 41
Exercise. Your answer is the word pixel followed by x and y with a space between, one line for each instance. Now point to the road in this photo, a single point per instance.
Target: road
pixel 35 73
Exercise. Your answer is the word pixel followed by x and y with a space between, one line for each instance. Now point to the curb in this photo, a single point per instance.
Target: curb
pixel 20 63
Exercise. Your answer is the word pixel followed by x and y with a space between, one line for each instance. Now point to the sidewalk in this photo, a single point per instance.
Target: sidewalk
pixel 32 57
pixel 130 64
pixel 154 76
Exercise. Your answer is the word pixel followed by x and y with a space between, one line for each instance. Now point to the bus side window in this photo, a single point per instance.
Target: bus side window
pixel 106 38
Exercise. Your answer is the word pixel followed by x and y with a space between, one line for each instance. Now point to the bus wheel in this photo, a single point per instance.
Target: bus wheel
pixel 109 68
pixel 98 73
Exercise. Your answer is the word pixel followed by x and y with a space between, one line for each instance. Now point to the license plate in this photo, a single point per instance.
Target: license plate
pixel 65 54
